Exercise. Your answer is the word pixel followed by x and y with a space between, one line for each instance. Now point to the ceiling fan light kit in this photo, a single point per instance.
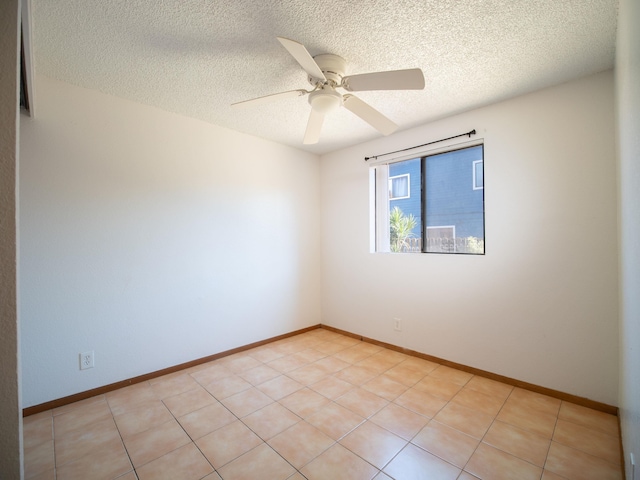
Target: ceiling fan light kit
pixel 326 73
pixel 325 100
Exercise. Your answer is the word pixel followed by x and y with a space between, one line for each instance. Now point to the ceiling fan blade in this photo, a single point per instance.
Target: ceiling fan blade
pixel 303 57
pixel 269 98
pixel 370 115
pixel 314 126
pixel 411 79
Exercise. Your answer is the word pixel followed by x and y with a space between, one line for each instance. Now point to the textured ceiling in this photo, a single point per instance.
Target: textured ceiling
pixel 196 57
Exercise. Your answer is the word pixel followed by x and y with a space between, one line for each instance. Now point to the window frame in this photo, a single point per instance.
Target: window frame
pixel 475 180
pixel 408 195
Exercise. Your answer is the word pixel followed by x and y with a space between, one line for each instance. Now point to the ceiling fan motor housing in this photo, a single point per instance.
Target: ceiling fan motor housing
pixel 333 67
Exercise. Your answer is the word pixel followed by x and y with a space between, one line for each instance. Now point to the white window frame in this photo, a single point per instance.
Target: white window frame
pixel 408 186
pixel 475 183
pixel 379 208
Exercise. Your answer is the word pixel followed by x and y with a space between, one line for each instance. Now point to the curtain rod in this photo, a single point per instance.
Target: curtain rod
pixel 472 132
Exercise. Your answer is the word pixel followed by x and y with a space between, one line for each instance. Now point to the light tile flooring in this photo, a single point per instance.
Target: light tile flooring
pixel 321 406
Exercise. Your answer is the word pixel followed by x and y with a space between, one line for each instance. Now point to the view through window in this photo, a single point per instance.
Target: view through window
pixel 431 204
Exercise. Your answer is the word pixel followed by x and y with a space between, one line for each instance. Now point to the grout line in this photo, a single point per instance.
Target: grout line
pixel 555 425
pixel 53 438
pixel 124 445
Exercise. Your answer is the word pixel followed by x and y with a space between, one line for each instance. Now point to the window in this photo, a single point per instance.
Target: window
pixel 399 187
pixel 478 175
pixel 430 204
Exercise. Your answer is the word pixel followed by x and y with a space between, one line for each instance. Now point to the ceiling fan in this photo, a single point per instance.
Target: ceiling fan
pixel 326 74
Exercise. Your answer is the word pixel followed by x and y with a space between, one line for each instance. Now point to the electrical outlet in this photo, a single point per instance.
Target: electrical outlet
pixel 86 360
pixel 397 325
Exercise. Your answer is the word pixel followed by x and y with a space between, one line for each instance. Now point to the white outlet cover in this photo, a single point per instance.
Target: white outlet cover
pixel 86 360
pixel 397 324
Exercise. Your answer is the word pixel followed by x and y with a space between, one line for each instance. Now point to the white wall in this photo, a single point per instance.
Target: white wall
pixel 154 239
pixel 541 305
pixel 10 407
pixel 628 101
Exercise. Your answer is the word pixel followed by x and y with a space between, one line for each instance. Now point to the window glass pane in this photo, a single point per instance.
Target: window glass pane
pixel 454 208
pixel 433 204
pixel 405 213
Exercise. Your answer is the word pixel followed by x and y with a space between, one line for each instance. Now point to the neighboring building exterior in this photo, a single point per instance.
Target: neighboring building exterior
pixel 454 186
pixel 405 190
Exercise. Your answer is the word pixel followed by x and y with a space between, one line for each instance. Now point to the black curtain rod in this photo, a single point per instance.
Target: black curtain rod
pixel 472 132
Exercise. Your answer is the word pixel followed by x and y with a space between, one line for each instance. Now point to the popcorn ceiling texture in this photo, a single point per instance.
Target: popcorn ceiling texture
pixel 196 58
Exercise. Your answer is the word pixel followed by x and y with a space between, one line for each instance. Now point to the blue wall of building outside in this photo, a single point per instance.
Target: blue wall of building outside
pixel 451 198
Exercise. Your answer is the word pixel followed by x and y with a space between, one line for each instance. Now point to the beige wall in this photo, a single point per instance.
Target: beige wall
pixel 542 305
pixel 10 412
pixel 628 101
pixel 154 239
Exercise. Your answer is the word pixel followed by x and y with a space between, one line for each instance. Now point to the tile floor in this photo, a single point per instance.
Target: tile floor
pixel 321 406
